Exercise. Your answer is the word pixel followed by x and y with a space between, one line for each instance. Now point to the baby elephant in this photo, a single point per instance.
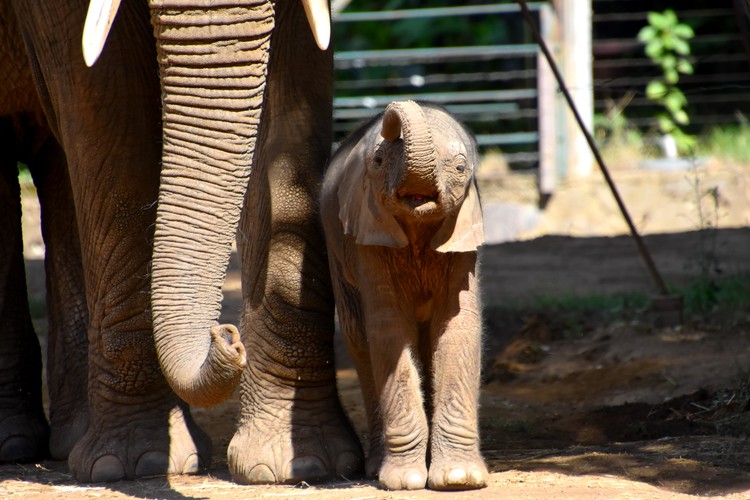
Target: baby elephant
pixel 402 222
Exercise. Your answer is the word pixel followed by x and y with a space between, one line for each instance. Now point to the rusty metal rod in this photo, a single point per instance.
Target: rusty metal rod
pixel 643 250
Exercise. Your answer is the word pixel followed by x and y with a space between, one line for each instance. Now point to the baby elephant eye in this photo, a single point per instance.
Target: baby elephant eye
pixel 461 167
pixel 378 160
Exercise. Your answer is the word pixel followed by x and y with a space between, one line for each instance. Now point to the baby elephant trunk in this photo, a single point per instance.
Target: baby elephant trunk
pixel 418 177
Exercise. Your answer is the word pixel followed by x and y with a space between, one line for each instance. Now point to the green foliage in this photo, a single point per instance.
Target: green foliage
pixel 667 45
pixel 706 294
pixel 619 140
pixel 727 143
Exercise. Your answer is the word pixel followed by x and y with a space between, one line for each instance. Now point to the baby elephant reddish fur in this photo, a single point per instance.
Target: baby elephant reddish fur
pixel 402 220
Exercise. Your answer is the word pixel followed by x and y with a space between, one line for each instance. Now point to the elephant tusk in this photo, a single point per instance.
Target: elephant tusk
pixel 319 18
pixel 99 19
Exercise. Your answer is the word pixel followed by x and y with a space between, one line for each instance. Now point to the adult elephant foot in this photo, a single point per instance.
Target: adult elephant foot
pixel 458 473
pixel 23 434
pixel 145 442
pixel 292 445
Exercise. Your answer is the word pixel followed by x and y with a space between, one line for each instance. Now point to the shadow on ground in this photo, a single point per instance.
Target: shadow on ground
pixel 571 406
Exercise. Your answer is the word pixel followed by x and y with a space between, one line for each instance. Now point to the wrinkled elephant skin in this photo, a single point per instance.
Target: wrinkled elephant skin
pixel 169 115
pixel 402 222
pixel 91 140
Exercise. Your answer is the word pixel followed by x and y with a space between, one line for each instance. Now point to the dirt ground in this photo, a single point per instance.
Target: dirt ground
pixel 574 405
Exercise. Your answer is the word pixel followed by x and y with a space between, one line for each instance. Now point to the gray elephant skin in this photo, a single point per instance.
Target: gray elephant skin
pixel 402 221
pixel 170 115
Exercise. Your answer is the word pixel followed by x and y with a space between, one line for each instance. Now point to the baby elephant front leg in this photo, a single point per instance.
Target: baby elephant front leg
pixel 455 458
pixel 405 432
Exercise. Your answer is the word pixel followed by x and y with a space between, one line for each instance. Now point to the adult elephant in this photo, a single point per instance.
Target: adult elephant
pixel 192 86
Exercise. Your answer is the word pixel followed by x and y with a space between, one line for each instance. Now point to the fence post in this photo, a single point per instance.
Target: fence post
pixel 575 17
pixel 547 106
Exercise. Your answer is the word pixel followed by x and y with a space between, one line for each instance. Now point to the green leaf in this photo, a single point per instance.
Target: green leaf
pixel 681 46
pixel 654 49
pixel 671 76
pixel 670 17
pixel 679 95
pixel 684 31
pixel 666 125
pixel 647 34
pixel 684 67
pixel 656 90
pixel 681 117
pixel 673 103
pixel 668 41
pixel 668 61
pixel 675 100
pixel 657 20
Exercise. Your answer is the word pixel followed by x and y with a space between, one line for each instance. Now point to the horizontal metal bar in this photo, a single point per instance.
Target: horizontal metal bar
pixel 456 109
pixel 518 157
pixel 686 82
pixel 619 17
pixel 393 57
pixel 504 139
pixel 600 63
pixel 380 101
pixel 397 15
pixel 419 81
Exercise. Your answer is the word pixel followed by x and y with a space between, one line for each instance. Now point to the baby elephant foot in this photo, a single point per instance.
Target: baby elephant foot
pixel 274 452
pixel 458 474
pixel 397 474
pixel 141 445
pixel 23 436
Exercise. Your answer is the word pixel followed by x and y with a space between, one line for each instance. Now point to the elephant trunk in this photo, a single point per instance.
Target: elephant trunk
pixel 212 63
pixel 419 175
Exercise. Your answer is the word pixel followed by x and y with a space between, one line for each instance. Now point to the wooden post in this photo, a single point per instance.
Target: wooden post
pixel 577 56
pixel 547 106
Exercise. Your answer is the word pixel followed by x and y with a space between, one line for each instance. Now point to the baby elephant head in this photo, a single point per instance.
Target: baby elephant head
pixel 418 174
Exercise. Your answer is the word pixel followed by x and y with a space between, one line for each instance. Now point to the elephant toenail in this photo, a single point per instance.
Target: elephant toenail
pixel 106 469
pixel 154 463
pixel 260 474
pixel 414 481
pixel 306 468
pixel 192 464
pixel 457 476
pixel 477 477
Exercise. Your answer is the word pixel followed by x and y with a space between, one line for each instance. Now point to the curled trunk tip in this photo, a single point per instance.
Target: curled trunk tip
pixel 214 380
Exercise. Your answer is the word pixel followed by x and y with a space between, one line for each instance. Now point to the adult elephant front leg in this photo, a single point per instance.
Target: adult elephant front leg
pixel 107 121
pixel 292 426
pixel 213 67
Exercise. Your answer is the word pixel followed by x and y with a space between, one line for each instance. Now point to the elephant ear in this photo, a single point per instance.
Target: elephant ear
pixel 464 230
pixel 361 213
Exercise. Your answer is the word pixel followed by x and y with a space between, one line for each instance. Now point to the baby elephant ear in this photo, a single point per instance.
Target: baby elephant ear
pixel 464 231
pixel 362 215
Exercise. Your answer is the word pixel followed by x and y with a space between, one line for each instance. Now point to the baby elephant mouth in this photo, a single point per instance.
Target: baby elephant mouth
pixel 419 202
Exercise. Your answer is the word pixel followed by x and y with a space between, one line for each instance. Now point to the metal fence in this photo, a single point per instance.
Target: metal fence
pixel 505 93
pixel 492 88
